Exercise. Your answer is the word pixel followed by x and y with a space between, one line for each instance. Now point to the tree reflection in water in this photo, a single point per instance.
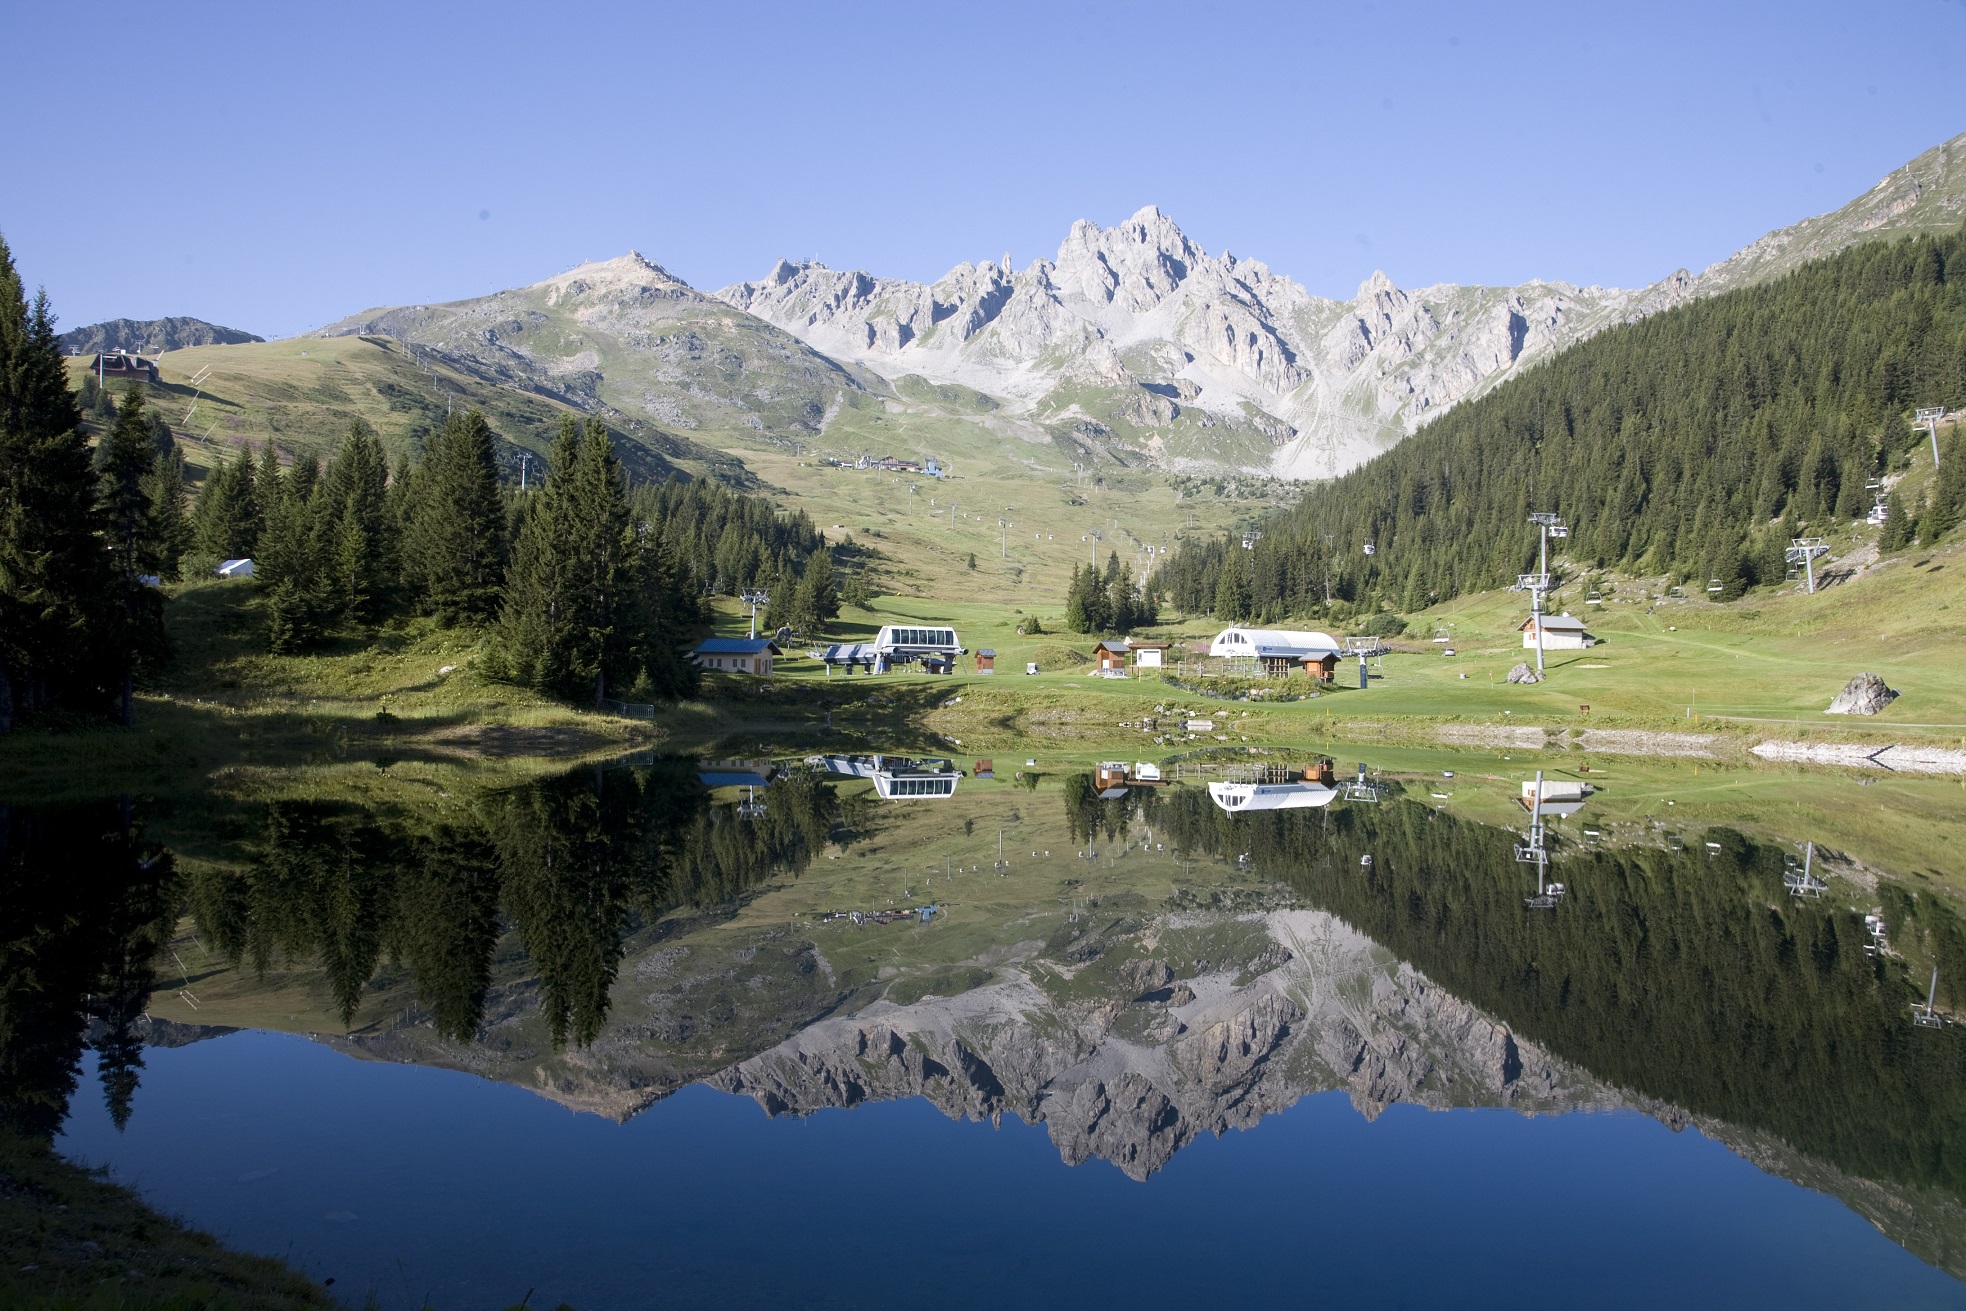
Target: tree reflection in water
pixel 86 907
pixel 573 864
pixel 1687 975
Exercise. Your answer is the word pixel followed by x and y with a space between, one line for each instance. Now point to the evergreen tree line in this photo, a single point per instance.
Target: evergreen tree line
pixel 729 543
pixel 590 588
pixel 570 865
pixel 1693 443
pixel 1685 975
pixel 82 537
pixel 1111 602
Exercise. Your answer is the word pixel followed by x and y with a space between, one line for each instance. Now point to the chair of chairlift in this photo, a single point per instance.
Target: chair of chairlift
pixel 1594 597
pixel 1677 593
pixel 1714 585
pixel 1541 901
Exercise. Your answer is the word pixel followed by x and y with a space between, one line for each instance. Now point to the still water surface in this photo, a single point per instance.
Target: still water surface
pixel 618 1039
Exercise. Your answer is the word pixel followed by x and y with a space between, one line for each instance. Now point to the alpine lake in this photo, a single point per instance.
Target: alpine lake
pixel 859 1030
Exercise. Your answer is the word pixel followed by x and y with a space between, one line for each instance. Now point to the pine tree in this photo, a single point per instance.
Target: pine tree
pixel 125 513
pixel 573 622
pixel 1079 616
pixel 1232 593
pixel 226 520
pixel 128 460
pixel 1948 498
pixel 170 532
pixel 292 566
pixel 358 531
pixel 1896 532
pixel 56 596
pixel 455 527
pixel 816 600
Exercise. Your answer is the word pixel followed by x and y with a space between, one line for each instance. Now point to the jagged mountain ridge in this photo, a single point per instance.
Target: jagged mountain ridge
pixel 1135 325
pixel 1131 324
pixel 1327 1009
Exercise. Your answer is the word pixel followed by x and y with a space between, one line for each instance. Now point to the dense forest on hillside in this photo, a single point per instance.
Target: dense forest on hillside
pixel 1693 443
pixel 588 586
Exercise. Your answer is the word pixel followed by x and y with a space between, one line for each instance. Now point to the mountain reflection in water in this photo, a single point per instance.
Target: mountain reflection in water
pixel 1186 967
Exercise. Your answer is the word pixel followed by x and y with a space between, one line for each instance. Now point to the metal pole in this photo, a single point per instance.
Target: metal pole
pixel 1536 831
pixel 1809 564
pixel 1536 595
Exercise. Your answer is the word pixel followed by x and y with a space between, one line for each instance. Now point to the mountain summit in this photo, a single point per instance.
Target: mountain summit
pixel 1136 327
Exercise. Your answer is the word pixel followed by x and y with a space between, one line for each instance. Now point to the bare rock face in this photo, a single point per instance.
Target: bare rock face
pixel 1522 673
pixel 1865 694
pixel 1333 381
pixel 1133 1083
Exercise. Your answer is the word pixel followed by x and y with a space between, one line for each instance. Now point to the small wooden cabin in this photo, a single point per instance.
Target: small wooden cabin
pixel 1111 656
pixel 986 661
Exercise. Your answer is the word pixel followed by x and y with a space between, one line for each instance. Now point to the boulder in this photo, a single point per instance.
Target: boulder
pixel 1522 673
pixel 1865 694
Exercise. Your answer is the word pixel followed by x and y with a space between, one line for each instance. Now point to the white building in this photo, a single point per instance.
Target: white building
pixel 1239 798
pixel 1280 650
pixel 1564 632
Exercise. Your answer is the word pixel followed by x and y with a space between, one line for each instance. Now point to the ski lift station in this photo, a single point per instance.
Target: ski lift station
pixel 1280 651
pixel 897 778
pixel 1277 788
pixel 1564 632
pixel 934 648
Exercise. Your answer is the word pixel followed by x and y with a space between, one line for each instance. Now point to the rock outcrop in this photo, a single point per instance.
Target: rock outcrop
pixel 1524 673
pixel 1865 694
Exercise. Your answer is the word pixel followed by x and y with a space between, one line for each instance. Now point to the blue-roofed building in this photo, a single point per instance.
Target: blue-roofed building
pixel 735 655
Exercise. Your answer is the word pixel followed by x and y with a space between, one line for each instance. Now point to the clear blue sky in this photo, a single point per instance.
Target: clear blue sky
pixel 275 166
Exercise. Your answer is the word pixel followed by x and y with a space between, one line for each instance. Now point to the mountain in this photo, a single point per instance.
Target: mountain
pixel 1697 443
pixel 1926 195
pixel 625 338
pixel 150 336
pixel 1136 334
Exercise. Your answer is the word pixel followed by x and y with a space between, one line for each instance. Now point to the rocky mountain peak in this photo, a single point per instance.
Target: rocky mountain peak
pixel 631 273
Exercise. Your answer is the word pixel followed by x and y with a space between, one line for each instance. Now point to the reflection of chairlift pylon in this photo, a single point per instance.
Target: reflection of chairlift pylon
pixel 750 807
pixel 1800 880
pixel 1536 853
pixel 1924 1016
